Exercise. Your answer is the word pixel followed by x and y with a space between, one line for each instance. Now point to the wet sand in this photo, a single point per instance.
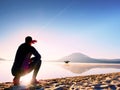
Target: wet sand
pixel 110 81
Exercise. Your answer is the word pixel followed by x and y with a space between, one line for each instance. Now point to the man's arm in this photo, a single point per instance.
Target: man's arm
pixel 36 54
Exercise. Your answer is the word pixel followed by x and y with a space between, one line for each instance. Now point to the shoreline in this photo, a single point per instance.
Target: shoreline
pixel 109 81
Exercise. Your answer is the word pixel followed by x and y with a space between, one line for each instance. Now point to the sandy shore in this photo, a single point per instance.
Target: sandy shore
pixel 109 81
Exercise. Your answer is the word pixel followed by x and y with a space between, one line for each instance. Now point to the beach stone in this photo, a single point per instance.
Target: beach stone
pixel 104 86
pixel 85 84
pixel 108 78
pixel 56 84
pixel 60 88
pixel 118 78
pixel 114 82
pixel 47 86
pixel 88 88
pixel 18 88
pixel 75 87
pixel 72 87
pixel 108 81
pixel 5 88
pixel 82 88
pixel 118 88
pixel 92 86
pixel 100 86
pixel 37 89
pixel 118 85
pixel 112 87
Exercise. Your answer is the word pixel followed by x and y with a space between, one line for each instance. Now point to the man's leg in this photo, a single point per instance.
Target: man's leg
pixel 35 65
pixel 16 74
pixel 36 69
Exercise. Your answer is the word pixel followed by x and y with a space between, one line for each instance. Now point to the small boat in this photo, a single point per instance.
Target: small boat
pixel 66 61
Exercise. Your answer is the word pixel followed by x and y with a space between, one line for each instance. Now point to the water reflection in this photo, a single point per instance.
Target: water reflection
pixel 50 70
pixel 83 67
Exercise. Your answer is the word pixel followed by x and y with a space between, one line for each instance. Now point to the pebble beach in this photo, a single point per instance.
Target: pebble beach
pixel 110 81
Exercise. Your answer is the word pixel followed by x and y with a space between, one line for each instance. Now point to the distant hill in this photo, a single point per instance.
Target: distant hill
pixel 1 59
pixel 79 57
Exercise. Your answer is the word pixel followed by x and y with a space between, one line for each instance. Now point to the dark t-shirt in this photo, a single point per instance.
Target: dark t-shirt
pixel 23 50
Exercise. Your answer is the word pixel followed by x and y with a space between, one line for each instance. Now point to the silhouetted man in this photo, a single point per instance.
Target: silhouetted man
pixel 24 63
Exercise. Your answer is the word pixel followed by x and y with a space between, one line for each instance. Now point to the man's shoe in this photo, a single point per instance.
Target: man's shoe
pixel 34 82
pixel 16 81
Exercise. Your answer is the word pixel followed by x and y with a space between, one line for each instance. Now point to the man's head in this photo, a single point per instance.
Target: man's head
pixel 29 40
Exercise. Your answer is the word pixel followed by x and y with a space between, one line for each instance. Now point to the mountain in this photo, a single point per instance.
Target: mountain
pixel 79 57
pixel 1 59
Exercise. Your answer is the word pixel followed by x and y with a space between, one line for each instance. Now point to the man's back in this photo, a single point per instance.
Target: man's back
pixel 23 50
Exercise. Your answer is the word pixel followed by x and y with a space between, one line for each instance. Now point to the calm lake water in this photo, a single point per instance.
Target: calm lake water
pixel 50 70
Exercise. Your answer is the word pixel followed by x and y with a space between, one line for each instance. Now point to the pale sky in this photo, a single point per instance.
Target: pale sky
pixel 61 27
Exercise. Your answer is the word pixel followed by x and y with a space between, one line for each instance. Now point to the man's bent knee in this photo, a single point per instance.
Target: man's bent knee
pixel 39 62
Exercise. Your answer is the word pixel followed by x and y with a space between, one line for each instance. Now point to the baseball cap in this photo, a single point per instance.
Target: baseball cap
pixel 28 39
